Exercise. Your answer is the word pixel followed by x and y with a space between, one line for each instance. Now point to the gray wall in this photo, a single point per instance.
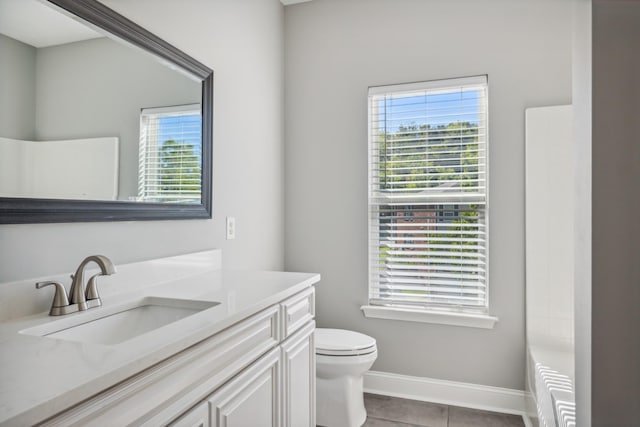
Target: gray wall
pixel 96 88
pixel 17 89
pixel 335 50
pixel 243 43
pixel 615 353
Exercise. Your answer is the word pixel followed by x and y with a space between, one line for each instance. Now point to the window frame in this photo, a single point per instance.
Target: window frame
pixel 158 113
pixel 441 313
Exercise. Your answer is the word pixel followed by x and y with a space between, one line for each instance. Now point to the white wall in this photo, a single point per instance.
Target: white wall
pixel 581 93
pixel 13 172
pixel 615 350
pixel 242 41
pixel 335 50
pixel 75 91
pixel 96 88
pixel 549 250
pixel 18 99
pixel 549 217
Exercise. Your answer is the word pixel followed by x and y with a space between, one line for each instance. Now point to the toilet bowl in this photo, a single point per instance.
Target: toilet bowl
pixel 342 358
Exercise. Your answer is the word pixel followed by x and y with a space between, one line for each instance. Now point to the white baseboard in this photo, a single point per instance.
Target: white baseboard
pixel 453 393
pixel 531 417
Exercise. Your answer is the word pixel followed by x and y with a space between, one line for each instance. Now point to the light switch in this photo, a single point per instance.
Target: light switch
pixel 231 228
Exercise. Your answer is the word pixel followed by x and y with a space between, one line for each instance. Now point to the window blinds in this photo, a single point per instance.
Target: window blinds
pixel 170 156
pixel 428 194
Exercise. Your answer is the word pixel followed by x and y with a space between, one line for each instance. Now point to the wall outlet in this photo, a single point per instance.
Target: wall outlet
pixel 231 228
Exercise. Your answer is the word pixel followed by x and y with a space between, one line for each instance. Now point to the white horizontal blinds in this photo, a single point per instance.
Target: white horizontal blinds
pixel 428 194
pixel 170 160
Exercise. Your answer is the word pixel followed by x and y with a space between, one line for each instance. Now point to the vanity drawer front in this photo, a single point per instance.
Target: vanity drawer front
pixel 297 311
pixel 163 392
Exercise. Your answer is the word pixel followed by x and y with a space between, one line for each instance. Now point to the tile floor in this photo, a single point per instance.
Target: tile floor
pixel 384 411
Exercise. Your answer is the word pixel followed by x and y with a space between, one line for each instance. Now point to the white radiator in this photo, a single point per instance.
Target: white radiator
pixel 553 388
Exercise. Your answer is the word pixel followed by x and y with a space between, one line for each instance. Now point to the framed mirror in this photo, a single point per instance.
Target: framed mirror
pixel 100 120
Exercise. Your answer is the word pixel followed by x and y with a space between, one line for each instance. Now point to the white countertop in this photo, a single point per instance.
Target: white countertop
pixel 40 377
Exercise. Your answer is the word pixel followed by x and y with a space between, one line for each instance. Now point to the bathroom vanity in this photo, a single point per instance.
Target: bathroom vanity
pixel 240 353
pixel 177 340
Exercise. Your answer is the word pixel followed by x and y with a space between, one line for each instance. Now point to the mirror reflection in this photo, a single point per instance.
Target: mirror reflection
pixel 84 116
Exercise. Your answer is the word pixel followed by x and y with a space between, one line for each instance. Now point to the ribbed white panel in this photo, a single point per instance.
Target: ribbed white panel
pixel 555 397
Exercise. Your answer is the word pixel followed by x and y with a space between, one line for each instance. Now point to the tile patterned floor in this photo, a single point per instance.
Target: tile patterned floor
pixel 384 411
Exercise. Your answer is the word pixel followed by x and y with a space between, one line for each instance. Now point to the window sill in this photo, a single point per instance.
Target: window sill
pixel 470 320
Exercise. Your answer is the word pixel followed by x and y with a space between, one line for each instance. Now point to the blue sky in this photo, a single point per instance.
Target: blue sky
pixel 187 128
pixel 434 109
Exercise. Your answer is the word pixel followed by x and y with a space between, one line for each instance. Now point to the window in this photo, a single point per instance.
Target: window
pixel 170 159
pixel 428 197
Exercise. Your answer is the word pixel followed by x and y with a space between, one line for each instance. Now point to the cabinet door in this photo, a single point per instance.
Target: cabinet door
pixel 251 399
pixel 299 379
pixel 196 417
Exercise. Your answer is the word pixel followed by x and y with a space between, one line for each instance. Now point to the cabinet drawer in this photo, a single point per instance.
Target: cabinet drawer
pixel 297 311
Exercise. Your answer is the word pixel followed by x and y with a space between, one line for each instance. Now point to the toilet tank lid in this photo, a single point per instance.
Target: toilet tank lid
pixel 342 340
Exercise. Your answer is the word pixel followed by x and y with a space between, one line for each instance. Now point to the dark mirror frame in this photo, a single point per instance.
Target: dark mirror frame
pixel 28 211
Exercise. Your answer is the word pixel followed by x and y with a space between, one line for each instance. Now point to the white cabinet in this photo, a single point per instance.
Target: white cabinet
pixel 163 392
pixel 251 399
pixel 299 379
pixel 258 372
pixel 196 417
pixel 278 390
pixel 297 311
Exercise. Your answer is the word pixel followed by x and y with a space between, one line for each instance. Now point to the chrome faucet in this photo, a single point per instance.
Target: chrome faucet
pixel 78 299
pixel 91 298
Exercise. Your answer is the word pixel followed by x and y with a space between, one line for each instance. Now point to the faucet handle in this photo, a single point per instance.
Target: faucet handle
pixel 91 294
pixel 60 303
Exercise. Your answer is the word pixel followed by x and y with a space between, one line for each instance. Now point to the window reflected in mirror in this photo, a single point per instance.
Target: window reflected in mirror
pixel 170 154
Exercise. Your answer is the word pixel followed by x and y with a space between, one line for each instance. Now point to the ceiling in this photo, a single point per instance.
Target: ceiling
pixel 39 25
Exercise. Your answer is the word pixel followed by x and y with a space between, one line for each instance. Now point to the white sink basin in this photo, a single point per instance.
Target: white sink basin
pixel 121 323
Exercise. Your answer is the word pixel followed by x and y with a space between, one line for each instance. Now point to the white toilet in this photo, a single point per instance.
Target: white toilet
pixel 342 358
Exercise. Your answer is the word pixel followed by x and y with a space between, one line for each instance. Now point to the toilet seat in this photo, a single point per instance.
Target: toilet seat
pixel 340 342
